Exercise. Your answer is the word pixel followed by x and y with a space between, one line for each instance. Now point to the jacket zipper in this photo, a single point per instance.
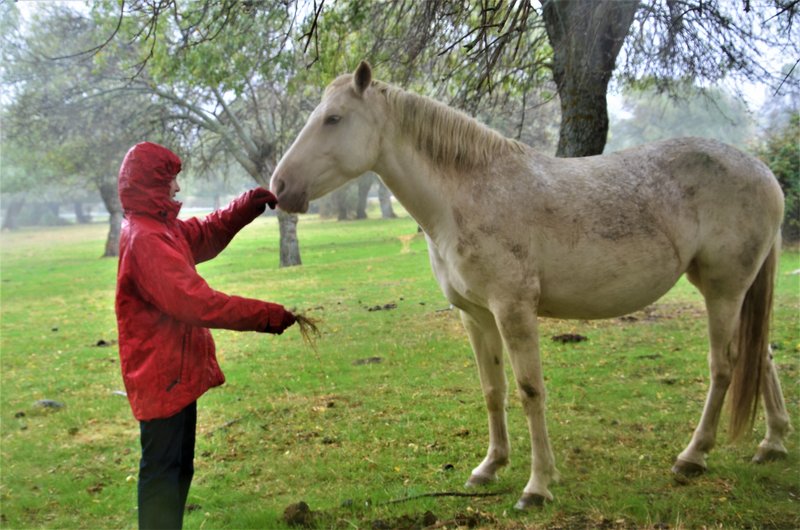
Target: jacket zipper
pixel 183 355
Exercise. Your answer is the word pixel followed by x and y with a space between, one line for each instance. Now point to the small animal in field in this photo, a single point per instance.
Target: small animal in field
pixel 514 235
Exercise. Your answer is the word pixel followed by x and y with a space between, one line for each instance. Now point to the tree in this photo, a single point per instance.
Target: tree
pixel 497 47
pixel 228 96
pixel 63 126
pixel 489 51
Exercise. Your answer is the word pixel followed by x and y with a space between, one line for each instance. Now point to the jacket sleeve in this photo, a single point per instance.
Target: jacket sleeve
pixel 166 280
pixel 209 236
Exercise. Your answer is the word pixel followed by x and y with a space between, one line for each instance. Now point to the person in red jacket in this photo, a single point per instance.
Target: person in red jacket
pixel 164 309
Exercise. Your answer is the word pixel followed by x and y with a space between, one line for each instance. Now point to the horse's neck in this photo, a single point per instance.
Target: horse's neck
pixel 415 184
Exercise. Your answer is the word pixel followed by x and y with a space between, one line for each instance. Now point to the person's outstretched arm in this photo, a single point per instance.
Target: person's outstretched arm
pixel 173 286
pixel 209 236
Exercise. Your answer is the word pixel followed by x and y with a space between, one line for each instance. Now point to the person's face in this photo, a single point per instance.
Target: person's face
pixel 174 188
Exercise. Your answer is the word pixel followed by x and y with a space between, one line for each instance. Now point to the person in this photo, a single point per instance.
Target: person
pixel 164 309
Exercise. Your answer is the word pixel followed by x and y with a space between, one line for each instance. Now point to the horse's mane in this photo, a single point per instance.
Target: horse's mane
pixel 449 137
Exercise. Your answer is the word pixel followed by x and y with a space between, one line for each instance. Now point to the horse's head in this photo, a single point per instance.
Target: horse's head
pixel 338 143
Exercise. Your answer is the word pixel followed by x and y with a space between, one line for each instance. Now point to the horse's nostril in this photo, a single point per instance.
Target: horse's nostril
pixel 279 186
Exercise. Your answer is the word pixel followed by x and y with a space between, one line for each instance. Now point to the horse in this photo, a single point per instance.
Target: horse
pixel 514 235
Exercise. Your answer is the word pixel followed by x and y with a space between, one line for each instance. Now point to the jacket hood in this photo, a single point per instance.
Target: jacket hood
pixel 144 180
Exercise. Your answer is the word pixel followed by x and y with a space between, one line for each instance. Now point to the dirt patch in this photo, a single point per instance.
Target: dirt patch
pixel 568 338
pixel 406 522
pixel 368 360
pixel 299 514
pixel 428 520
pixel 384 307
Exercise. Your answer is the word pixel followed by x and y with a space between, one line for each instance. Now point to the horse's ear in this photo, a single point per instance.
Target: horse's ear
pixel 362 78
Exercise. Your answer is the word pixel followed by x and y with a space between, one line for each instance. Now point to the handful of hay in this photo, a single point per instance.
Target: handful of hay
pixel 308 330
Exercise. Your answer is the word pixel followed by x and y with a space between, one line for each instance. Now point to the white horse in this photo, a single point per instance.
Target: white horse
pixel 513 235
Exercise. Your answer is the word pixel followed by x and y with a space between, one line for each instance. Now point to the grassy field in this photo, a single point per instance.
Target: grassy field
pixel 388 408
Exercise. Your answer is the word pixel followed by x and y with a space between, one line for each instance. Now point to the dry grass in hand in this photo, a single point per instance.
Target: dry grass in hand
pixel 309 330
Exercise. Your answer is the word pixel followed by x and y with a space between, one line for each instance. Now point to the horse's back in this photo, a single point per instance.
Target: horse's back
pixel 698 185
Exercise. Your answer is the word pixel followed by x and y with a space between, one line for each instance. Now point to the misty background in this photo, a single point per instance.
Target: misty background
pixel 227 85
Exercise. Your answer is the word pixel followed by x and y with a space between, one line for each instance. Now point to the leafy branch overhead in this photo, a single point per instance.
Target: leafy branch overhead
pixel 479 55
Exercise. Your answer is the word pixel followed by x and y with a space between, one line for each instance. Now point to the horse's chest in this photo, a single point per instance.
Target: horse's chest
pixel 460 269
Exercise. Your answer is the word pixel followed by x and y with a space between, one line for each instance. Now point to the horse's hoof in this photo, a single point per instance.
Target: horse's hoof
pixel 530 499
pixel 764 455
pixel 688 469
pixel 478 480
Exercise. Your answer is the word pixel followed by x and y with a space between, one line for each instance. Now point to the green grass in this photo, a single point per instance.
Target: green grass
pixel 291 424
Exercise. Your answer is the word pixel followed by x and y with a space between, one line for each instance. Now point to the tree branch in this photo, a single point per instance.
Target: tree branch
pixel 245 138
pixel 97 49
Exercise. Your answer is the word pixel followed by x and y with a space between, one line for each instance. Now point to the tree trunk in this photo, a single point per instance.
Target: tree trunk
pixel 290 246
pixel 586 37
pixel 82 216
pixel 364 184
pixel 385 200
pixel 287 223
pixel 13 209
pixel 110 196
pixel 340 202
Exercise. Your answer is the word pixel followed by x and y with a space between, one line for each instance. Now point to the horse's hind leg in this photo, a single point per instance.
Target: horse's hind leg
pixel 488 348
pixel 771 448
pixel 723 317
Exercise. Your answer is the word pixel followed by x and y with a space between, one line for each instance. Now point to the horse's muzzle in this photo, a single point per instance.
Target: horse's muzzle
pixel 289 200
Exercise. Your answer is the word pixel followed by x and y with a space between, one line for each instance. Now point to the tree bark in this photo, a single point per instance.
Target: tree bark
pixel 110 196
pixel 586 37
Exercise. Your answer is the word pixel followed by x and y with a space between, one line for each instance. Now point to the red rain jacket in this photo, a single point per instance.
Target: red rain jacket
pixel 163 306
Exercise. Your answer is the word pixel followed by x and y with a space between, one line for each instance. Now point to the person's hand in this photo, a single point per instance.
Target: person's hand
pixel 279 319
pixel 261 198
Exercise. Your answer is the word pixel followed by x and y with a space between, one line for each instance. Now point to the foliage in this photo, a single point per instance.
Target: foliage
pixel 781 153
pixel 421 46
pixel 346 432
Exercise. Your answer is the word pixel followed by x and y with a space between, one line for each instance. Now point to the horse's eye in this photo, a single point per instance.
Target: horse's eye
pixel 333 119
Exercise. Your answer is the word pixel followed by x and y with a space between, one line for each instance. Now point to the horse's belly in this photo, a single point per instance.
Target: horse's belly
pixel 598 290
pixel 599 305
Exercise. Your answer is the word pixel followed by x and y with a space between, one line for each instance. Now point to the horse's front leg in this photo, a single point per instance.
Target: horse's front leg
pixel 519 329
pixel 488 348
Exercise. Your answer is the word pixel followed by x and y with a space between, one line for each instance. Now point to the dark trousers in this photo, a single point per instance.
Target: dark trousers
pixel 166 469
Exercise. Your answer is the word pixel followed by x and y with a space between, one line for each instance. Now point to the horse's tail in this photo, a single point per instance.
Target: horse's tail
pixel 752 342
